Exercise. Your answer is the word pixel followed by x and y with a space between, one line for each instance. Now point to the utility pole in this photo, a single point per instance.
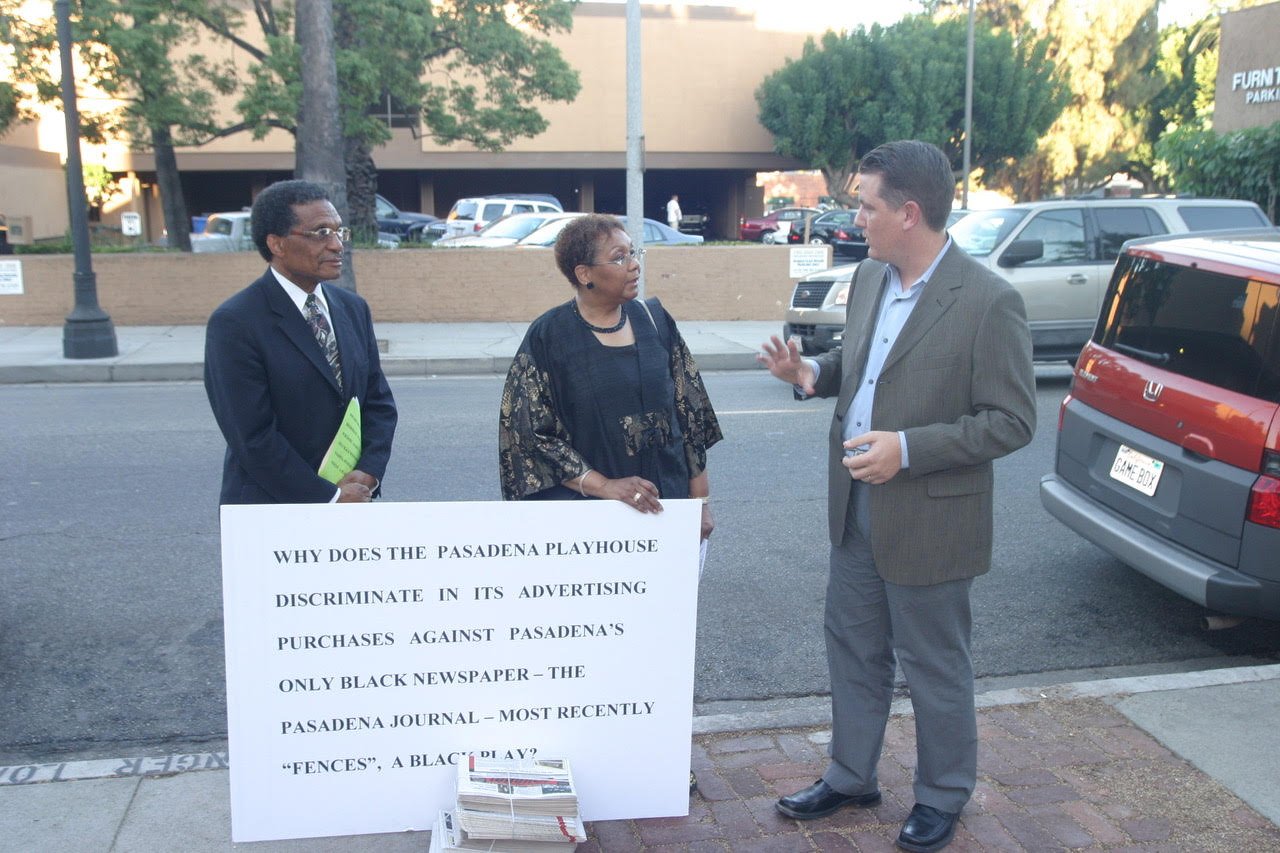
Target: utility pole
pixel 968 111
pixel 87 331
pixel 635 134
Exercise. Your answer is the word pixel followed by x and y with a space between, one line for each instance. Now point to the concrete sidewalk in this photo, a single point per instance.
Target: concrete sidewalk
pixel 176 353
pixel 1181 762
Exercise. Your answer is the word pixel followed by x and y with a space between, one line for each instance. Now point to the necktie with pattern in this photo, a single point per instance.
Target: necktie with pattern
pixel 324 336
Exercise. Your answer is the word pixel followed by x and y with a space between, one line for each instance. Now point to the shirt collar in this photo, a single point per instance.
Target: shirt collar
pixel 928 273
pixel 298 295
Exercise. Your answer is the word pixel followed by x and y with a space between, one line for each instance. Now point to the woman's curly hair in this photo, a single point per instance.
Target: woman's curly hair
pixel 580 239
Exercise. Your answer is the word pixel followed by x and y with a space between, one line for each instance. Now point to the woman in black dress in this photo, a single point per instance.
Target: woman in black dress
pixel 603 399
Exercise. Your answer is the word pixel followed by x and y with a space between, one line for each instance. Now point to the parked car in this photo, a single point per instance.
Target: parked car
pixel 1168 452
pixel 815 315
pixel 403 223
pixel 655 233
pixel 694 219
pixel 830 227
pixel 224 232
pixel 1059 253
pixel 469 215
pixel 1062 304
pixel 506 231
pixel 755 228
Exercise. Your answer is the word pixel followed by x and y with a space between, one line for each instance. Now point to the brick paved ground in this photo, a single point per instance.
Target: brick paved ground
pixel 1051 776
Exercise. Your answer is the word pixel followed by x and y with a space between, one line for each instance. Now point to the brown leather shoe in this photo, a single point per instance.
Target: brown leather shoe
pixel 820 800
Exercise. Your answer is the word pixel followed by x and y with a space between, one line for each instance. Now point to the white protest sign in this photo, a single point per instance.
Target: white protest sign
pixel 11 278
pixel 807 259
pixel 370 647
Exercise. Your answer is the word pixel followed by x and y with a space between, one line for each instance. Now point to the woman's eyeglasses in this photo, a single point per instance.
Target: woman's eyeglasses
pixel 623 260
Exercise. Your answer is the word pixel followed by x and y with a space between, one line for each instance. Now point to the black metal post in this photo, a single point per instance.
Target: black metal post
pixel 87 332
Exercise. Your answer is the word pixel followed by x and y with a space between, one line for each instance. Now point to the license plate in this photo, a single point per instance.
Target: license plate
pixel 1137 470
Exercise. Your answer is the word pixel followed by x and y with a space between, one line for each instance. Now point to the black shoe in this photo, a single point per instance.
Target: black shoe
pixel 927 829
pixel 820 800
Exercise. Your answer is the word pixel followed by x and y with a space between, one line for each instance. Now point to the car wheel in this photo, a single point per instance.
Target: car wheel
pixel 817 241
pixel 769 237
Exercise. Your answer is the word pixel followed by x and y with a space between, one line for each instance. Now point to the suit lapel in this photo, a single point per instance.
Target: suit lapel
pixel 865 293
pixel 291 322
pixel 938 297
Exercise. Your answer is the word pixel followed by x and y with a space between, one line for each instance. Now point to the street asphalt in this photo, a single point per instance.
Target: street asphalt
pixel 1182 761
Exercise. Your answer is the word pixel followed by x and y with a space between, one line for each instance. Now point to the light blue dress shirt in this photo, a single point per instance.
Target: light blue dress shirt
pixel 895 310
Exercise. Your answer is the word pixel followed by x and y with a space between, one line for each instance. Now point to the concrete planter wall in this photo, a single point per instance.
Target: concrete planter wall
pixel 408 286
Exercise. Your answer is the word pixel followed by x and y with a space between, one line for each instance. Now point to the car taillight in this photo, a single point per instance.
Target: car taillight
pixel 476 227
pixel 841 234
pixel 1264 497
pixel 1062 410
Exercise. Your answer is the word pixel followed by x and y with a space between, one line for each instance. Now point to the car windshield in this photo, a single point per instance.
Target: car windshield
pixel 218 225
pixel 980 232
pixel 513 227
pixel 547 234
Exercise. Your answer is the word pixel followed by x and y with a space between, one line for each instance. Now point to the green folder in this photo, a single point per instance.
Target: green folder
pixel 344 451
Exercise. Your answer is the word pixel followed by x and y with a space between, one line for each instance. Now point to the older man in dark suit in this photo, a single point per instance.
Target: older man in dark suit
pixel 933 382
pixel 285 356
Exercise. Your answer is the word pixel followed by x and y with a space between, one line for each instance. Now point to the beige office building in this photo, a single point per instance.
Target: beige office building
pixel 1248 88
pixel 701 67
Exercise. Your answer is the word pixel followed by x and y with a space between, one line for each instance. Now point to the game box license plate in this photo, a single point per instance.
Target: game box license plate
pixel 1137 470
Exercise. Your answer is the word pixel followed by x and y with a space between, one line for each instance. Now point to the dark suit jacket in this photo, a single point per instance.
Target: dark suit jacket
pixel 276 400
pixel 959 382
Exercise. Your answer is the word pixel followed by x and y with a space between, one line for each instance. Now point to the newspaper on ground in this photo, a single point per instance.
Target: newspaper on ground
pixel 452 837
pixel 532 799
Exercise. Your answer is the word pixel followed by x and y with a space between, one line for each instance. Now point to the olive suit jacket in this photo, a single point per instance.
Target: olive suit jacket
pixel 959 382
pixel 276 400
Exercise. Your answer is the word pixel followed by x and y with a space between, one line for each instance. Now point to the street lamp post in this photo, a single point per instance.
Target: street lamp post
pixel 87 332
pixel 635 134
pixel 968 111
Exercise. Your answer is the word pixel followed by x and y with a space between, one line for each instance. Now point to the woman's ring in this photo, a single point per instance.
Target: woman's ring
pixel 636 498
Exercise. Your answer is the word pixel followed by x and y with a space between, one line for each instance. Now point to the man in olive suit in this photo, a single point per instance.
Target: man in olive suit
pixel 933 382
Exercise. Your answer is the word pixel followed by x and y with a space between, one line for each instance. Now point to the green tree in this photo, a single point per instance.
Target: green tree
pixel 865 87
pixel 127 51
pixel 473 72
pixel 1242 164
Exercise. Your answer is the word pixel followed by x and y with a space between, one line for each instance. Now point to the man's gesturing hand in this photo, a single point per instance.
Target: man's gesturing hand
pixel 783 361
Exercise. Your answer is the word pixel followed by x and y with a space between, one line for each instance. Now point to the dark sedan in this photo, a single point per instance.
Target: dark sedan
pixel 403 223
pixel 836 229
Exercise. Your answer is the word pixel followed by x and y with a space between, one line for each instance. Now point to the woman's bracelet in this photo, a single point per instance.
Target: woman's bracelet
pixel 582 479
pixel 706 499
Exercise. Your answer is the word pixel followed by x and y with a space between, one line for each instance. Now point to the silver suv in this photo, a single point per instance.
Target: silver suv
pixel 469 215
pixel 1058 254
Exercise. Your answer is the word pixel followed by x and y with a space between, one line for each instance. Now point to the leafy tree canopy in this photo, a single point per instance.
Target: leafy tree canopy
pixel 864 87
pixel 1244 164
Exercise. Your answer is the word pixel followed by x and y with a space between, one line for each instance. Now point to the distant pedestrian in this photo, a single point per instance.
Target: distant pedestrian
pixel 933 381
pixel 673 212
pixel 285 357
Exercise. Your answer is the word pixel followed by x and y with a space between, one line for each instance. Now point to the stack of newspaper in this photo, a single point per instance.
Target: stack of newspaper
pixel 512 806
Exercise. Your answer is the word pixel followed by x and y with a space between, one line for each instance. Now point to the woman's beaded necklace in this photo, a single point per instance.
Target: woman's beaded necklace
pixel 601 330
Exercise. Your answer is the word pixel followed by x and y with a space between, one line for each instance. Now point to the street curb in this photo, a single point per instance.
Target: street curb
pixel 816 710
pixel 105 371
pixel 802 712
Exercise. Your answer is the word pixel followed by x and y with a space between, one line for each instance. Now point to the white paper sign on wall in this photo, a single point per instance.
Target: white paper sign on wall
pixel 372 646
pixel 11 278
pixel 807 259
